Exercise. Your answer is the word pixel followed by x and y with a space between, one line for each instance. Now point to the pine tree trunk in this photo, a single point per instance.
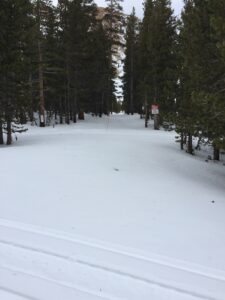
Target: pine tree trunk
pixel 74 111
pixel 41 88
pixel 66 106
pixel 146 118
pixel 185 138
pixel 61 118
pixel 9 132
pixel 190 144
pixel 23 117
pixel 61 112
pixel 146 112
pixel 67 113
pixel 67 92
pixel 132 85
pixel 216 153
pixel 81 115
pixel 31 111
pixel 75 108
pixel 102 105
pixel 182 141
pixel 31 116
pixel 40 69
pixel 1 134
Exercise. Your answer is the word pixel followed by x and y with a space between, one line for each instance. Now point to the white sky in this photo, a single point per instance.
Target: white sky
pixel 128 4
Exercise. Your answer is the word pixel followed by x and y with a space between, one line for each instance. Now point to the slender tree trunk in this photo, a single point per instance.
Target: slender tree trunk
pixel 101 105
pixel 74 116
pixel 9 132
pixel 190 144
pixel 67 92
pixel 41 88
pixel 31 110
pixel 40 69
pixel 1 134
pixel 75 107
pixel 67 113
pixel 146 111
pixel 23 117
pixel 61 111
pixel 31 116
pixel 81 115
pixel 185 138
pixel 109 96
pixel 65 105
pixel 182 140
pixel 216 153
pixel 132 83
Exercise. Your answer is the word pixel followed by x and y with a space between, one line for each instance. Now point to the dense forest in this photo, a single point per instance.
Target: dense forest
pixel 56 61
pixel 61 62
pixel 179 64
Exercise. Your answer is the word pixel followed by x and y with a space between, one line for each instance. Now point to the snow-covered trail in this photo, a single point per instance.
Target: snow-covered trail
pixel 106 209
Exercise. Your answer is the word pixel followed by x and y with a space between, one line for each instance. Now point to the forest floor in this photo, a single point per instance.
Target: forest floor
pixel 106 209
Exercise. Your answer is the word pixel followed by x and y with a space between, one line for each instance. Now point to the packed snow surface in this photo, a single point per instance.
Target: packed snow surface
pixel 106 209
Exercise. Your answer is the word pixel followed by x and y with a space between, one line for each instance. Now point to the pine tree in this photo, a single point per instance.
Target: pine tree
pixel 185 107
pixel 130 65
pixel 218 89
pixel 14 60
pixel 3 42
pixel 81 26
pixel 40 15
pixel 115 22
pixel 159 63
pixel 99 56
pixel 50 59
pixel 45 45
pixel 200 70
pixel 76 27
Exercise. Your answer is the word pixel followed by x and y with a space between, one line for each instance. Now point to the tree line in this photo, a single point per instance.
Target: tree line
pixel 62 61
pixel 57 61
pixel 179 63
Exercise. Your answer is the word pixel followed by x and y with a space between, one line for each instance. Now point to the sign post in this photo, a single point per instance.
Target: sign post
pixel 155 113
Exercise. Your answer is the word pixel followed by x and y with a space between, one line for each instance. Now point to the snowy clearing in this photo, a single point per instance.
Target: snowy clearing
pixel 106 209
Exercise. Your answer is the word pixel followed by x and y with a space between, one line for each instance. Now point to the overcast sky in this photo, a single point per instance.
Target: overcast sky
pixel 128 4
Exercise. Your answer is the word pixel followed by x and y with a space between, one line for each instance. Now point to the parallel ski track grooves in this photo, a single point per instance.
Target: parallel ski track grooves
pixel 58 236
pixel 109 250
pixel 12 292
pixel 109 270
pixel 57 282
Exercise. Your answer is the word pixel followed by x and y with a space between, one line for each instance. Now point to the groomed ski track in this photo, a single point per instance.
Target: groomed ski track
pixel 48 263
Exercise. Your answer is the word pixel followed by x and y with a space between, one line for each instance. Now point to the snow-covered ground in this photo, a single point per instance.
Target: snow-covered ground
pixel 106 209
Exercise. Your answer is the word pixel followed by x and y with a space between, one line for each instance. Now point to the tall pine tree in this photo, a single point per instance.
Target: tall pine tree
pixel 16 22
pixel 115 21
pixel 131 104
pixel 158 36
pixel 199 105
